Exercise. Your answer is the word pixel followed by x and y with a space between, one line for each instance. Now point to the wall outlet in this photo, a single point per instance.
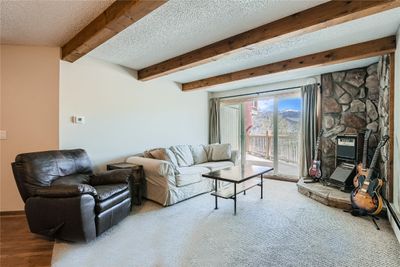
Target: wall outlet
pixel 3 134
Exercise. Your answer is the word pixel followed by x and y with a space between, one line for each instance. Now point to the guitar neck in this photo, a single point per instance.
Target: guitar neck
pixel 316 150
pixel 373 163
pixel 365 154
pixel 375 158
pixel 317 145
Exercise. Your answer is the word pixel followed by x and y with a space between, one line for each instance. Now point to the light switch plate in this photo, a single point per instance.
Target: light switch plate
pixel 78 119
pixel 3 135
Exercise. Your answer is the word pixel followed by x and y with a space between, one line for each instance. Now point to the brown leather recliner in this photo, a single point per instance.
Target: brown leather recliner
pixel 65 200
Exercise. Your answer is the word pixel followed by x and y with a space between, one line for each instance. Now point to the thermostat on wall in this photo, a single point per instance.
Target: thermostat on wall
pixel 78 119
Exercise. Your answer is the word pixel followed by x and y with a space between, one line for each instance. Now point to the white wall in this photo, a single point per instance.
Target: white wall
pixel 397 125
pixel 396 137
pixel 125 116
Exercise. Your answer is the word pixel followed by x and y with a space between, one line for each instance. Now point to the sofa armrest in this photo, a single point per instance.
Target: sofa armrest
pixel 156 171
pixel 235 157
pixel 59 191
pixel 111 177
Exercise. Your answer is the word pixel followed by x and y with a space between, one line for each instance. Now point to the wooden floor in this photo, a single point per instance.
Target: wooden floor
pixel 19 247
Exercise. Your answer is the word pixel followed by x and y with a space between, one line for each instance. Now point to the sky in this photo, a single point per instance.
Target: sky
pixel 291 103
pixel 283 104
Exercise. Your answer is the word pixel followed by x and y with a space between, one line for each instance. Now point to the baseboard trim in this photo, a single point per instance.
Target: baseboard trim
pixel 393 213
pixel 12 213
pixel 281 178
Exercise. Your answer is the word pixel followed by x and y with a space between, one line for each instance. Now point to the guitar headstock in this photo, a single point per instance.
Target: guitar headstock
pixel 383 141
pixel 367 134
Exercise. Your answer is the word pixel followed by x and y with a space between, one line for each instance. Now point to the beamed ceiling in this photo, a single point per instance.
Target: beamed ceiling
pixel 178 27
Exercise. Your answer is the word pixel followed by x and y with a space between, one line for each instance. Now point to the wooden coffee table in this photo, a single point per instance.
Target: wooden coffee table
pixel 242 179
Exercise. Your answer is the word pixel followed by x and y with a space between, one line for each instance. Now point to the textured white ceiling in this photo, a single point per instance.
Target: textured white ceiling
pixel 46 23
pixel 293 75
pixel 180 26
pixel 361 30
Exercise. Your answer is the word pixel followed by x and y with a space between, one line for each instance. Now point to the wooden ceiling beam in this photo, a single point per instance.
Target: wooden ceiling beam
pixel 117 17
pixel 310 20
pixel 339 55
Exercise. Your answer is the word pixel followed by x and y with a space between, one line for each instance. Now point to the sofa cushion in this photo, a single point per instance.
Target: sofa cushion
pixel 106 191
pixel 189 175
pixel 216 166
pixel 183 155
pixel 217 152
pixel 171 157
pixel 164 154
pixel 199 154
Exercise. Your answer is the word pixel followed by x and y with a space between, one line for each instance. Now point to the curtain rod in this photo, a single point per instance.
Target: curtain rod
pixel 262 92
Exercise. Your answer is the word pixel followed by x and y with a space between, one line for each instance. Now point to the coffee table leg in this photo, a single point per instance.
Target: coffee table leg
pixel 216 198
pixel 234 195
pixel 262 186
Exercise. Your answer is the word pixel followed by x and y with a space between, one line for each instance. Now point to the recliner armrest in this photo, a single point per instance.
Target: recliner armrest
pixel 66 191
pixel 111 177
pixel 69 218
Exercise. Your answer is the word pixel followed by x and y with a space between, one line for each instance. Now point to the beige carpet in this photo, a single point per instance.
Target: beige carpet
pixel 284 229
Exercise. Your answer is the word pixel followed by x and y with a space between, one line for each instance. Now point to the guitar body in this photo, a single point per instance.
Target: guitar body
pixel 366 196
pixel 360 172
pixel 315 169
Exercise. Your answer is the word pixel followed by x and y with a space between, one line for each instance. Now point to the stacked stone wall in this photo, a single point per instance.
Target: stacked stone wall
pixel 352 100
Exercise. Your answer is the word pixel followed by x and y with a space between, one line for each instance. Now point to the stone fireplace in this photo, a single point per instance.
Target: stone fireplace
pixel 353 100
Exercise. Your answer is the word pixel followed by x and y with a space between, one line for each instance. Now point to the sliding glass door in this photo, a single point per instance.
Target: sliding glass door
pixel 265 129
pixel 288 133
pixel 259 134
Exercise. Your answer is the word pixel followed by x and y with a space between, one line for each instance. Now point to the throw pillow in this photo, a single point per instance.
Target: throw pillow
pixel 183 155
pixel 147 153
pixel 218 152
pixel 199 154
pixel 164 154
pixel 172 157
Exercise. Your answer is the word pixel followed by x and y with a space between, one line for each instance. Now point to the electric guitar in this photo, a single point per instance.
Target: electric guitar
pixel 315 169
pixel 367 195
pixel 362 167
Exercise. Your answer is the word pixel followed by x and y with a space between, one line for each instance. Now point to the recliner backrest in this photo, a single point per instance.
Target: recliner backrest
pixel 38 169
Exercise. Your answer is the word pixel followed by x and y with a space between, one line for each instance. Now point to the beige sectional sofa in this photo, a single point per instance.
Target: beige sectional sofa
pixel 174 174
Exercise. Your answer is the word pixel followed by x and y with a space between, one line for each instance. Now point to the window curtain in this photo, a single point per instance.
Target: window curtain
pixel 309 126
pixel 214 125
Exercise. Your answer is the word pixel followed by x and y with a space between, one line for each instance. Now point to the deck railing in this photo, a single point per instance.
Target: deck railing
pixel 263 146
